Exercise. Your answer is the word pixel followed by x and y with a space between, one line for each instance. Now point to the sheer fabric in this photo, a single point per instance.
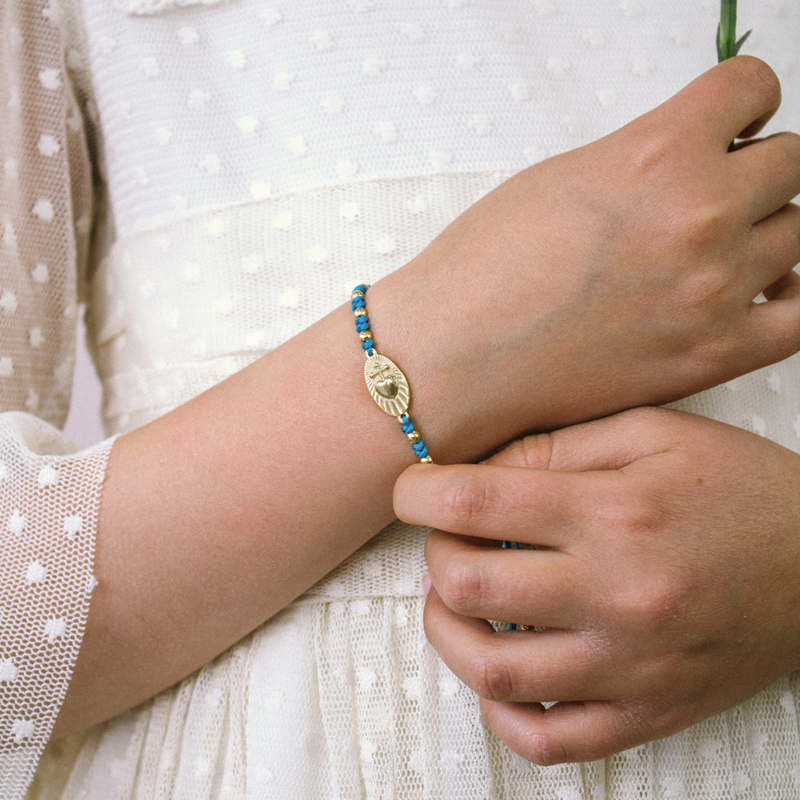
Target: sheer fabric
pixel 48 492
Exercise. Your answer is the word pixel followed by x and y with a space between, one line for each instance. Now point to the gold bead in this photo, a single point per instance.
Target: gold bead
pixel 364 335
pixel 356 294
pixel 426 460
pixel 413 436
pixel 360 312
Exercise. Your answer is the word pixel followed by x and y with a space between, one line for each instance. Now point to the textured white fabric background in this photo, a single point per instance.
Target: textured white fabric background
pixel 258 160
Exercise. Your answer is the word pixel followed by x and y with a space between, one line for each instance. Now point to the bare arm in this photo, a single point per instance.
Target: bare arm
pixel 619 274
pixel 218 514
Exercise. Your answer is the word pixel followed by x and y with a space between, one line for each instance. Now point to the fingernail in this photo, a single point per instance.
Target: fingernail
pixel 426 585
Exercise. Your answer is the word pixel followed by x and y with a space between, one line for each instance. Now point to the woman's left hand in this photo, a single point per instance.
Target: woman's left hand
pixel 667 575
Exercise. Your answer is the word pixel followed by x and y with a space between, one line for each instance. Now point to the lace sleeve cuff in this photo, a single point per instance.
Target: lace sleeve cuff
pixel 49 502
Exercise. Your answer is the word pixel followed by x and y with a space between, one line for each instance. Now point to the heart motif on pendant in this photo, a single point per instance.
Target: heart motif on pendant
pixel 386 383
pixel 387 388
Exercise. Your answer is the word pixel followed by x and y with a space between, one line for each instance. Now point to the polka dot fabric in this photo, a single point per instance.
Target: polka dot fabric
pixel 258 159
pixel 209 106
pixel 49 494
pixel 48 514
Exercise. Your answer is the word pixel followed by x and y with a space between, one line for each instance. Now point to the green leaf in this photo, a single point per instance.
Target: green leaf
pixel 740 43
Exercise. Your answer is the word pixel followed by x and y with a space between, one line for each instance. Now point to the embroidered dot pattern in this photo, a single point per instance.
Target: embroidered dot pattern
pixel 306 104
pixel 45 221
pixel 263 158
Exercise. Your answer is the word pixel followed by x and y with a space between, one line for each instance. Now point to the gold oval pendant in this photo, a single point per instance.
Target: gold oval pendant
pixel 387 385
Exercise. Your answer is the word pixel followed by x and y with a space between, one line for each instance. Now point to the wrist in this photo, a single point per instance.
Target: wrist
pixel 453 397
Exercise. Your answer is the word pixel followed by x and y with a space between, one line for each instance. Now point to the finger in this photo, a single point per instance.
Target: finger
pixel 771 171
pixel 532 506
pixel 565 732
pixel 514 666
pixel 773 328
pixel 529 587
pixel 733 99
pixel 774 248
pixel 610 443
pixel 784 288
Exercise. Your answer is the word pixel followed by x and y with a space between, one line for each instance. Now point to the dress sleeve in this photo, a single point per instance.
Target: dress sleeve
pixel 49 492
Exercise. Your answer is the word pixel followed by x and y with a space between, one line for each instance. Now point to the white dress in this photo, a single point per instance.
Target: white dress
pixel 254 161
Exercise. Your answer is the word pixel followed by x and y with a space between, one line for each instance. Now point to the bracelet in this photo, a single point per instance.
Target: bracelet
pixel 386 383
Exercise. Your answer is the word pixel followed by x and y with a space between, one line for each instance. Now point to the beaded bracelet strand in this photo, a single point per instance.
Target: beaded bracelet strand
pixel 389 389
pixel 386 383
pixel 513 626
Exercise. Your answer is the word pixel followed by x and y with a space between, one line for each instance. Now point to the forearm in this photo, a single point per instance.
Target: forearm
pixel 218 514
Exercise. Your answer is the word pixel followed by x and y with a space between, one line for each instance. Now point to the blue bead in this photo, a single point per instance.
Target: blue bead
pixel 370 352
pixel 422 453
pixel 408 426
pixel 358 302
pixel 362 287
pixel 368 344
pixel 362 323
pixel 418 446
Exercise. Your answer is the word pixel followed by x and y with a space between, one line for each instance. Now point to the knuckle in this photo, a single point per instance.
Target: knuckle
pixel 631 516
pixel 462 585
pixel 491 677
pixel 657 604
pixel 465 500
pixel 754 70
pixel 534 452
pixel 537 451
pixel 705 290
pixel 696 222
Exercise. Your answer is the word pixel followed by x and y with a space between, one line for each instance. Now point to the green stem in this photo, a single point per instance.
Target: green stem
pixel 727 45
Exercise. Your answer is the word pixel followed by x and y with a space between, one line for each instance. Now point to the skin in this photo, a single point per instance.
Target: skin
pixel 666 577
pixel 655 227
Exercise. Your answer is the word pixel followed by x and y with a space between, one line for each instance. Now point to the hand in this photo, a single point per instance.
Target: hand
pixel 668 577
pixel 619 274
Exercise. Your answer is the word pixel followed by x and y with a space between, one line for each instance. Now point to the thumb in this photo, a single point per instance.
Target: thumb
pixel 608 443
pixel 423 492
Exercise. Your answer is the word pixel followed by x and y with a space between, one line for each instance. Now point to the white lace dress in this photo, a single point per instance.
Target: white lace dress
pixel 253 162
